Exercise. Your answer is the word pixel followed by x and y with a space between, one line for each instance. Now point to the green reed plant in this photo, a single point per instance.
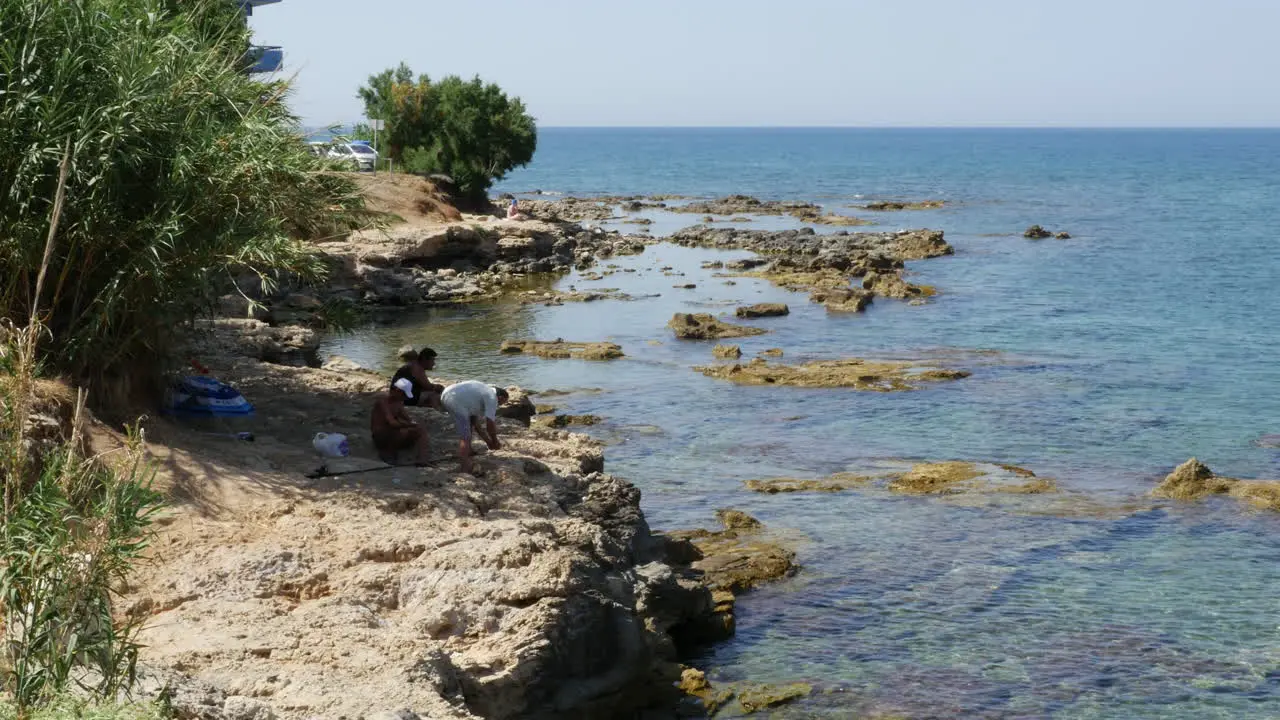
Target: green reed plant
pixel 184 174
pixel 73 526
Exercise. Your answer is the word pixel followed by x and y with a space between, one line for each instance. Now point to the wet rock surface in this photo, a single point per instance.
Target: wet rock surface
pixel 552 298
pixel 727 352
pixel 895 205
pixel 739 557
pixel 873 375
pixel 945 478
pixel 702 326
pixel 833 483
pixel 891 285
pixel 745 205
pixel 1193 480
pixel 760 310
pixel 826 266
pixel 928 478
pixel 560 349
pixel 1035 232
pixel 561 421
pixel 758 698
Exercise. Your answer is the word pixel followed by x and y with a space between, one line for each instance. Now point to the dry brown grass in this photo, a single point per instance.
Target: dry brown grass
pixel 410 198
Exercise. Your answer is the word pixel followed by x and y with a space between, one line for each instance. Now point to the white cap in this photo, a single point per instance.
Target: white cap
pixel 405 385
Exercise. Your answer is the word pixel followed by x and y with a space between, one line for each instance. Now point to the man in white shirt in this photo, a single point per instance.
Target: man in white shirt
pixel 470 403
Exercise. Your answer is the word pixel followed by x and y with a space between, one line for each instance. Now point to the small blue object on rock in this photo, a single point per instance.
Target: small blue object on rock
pixel 203 396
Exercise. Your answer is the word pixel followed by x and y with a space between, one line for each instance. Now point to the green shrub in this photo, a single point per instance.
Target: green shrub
pixel 184 172
pixel 468 130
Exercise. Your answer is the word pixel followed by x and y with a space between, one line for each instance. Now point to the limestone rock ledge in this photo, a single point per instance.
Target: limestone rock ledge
pixel 535 591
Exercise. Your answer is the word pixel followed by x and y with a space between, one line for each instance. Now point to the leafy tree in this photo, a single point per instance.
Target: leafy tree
pixel 469 130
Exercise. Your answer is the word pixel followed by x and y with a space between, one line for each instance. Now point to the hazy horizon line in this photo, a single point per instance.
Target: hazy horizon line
pixel 909 127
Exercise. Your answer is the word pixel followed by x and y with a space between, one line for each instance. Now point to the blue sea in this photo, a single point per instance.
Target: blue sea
pixel 1101 361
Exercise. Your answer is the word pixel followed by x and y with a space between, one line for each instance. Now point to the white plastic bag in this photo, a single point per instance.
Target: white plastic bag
pixel 331 444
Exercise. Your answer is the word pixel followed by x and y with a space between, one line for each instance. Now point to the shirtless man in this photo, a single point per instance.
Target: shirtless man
pixel 425 392
pixel 393 430
pixel 471 403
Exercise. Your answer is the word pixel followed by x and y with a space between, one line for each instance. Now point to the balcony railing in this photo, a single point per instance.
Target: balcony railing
pixel 249 5
pixel 264 58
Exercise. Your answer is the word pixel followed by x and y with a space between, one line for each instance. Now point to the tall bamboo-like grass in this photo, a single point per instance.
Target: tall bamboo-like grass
pixel 72 527
pixel 184 173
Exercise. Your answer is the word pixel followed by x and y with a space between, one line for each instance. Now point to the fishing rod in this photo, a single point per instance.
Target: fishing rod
pixel 323 470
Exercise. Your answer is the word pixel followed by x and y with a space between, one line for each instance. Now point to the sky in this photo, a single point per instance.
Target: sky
pixel 1093 63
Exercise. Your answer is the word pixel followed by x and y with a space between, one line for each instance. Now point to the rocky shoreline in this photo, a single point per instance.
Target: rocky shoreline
pixel 535 591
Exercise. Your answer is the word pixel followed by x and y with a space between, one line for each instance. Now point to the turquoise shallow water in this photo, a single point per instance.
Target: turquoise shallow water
pixel 1101 361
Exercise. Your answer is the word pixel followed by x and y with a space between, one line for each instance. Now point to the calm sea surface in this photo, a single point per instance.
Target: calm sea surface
pixel 1101 361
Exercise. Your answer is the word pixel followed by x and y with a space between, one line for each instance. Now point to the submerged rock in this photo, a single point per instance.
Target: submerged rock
pixel 891 205
pixel 755 698
pixel 818 218
pixel 727 352
pixel 760 310
pixel 560 421
pixel 879 376
pixel 772 352
pixel 945 478
pixel 702 326
pixel 560 349
pixel 834 483
pixel 1035 232
pixel 1064 235
pixel 738 204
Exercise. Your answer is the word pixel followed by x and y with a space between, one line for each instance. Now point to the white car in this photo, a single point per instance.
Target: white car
pixel 359 156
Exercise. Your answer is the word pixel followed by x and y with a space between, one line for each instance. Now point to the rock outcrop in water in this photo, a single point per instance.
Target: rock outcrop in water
pixel 830 484
pixel 741 556
pixel 893 205
pixel 946 478
pixel 931 478
pixel 727 352
pixel 746 205
pixel 1192 480
pixel 874 375
pixel 702 326
pixel 826 265
pixel 760 310
pixel 891 285
pixel 560 349
pixel 1035 232
pixel 758 698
